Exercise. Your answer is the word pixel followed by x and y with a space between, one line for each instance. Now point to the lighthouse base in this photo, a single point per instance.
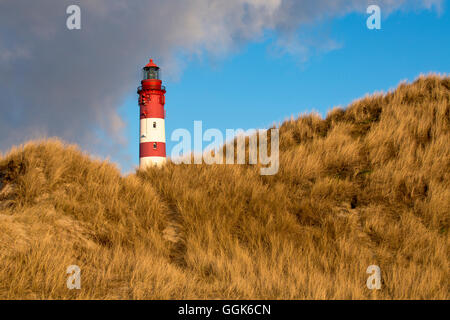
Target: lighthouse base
pixel 151 161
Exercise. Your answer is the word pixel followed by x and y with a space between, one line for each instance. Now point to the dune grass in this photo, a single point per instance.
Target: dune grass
pixel 367 185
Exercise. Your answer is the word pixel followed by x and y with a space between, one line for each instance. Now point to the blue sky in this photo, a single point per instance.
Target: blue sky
pixel 257 85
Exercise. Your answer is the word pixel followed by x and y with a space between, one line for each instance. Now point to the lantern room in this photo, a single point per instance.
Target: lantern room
pixel 150 71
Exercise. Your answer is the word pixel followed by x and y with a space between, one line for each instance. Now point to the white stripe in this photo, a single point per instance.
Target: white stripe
pixel 150 134
pixel 151 161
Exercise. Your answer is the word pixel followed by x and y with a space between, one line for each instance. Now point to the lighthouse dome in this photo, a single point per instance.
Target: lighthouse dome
pixel 151 64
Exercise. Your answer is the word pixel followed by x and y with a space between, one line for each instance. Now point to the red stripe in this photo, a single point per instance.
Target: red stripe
pixel 152 111
pixel 146 149
pixel 151 84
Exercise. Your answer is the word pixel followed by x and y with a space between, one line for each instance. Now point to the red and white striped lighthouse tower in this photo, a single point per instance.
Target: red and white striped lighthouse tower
pixel 152 137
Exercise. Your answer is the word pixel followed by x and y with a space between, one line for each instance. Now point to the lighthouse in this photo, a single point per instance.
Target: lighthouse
pixel 152 135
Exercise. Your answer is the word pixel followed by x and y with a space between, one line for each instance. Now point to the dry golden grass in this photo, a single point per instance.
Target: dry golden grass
pixel 367 185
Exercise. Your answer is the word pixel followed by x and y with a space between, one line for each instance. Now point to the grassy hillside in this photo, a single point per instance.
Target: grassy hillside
pixel 370 184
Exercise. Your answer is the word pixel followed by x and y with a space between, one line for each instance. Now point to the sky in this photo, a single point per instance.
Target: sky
pixel 236 64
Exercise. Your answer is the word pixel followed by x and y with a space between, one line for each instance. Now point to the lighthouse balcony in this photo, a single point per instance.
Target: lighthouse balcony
pixel 158 87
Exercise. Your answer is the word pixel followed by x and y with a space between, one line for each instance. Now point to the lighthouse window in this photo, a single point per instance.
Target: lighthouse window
pixel 154 145
pixel 151 73
pixel 154 124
